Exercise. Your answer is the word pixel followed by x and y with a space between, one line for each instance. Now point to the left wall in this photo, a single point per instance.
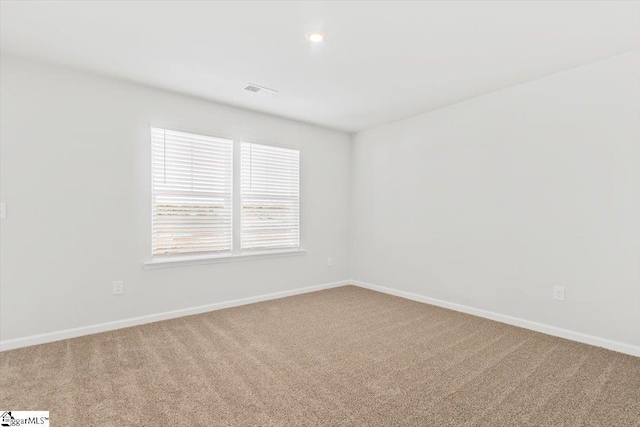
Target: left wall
pixel 75 174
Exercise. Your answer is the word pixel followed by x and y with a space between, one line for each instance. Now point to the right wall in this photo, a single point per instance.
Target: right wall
pixel 492 201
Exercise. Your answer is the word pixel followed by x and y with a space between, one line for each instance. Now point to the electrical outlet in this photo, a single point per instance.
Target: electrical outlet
pixel 118 287
pixel 330 260
pixel 558 293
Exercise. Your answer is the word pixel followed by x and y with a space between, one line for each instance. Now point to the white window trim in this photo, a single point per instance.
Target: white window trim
pixel 236 253
pixel 186 260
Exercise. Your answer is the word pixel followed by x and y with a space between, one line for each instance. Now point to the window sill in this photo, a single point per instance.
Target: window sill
pixel 187 260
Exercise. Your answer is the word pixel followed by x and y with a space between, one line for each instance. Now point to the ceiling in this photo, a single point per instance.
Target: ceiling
pixel 380 62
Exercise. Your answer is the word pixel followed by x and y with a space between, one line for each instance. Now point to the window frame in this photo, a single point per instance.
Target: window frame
pixel 236 253
pixel 253 250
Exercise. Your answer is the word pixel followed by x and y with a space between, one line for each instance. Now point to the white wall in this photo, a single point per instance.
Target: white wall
pixel 490 202
pixel 75 174
pixel 486 203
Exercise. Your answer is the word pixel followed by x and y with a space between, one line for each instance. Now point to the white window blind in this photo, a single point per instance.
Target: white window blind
pixel 192 193
pixel 270 197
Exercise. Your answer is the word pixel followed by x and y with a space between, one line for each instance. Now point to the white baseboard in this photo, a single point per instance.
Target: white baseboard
pixel 125 323
pixel 134 321
pixel 527 324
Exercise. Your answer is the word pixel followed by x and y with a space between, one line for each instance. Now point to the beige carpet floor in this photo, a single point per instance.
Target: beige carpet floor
pixel 340 357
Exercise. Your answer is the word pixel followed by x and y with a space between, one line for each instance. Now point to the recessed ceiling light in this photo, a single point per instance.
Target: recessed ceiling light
pixel 315 36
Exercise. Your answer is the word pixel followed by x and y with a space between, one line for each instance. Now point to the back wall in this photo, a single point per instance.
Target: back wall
pixel 75 174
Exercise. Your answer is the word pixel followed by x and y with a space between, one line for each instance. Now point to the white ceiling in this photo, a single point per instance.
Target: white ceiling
pixel 381 61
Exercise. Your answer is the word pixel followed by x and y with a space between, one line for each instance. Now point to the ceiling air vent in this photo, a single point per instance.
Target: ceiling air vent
pixel 259 89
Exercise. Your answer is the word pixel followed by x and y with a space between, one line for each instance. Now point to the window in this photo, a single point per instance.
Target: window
pixel 197 215
pixel 270 196
pixel 191 193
